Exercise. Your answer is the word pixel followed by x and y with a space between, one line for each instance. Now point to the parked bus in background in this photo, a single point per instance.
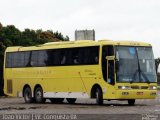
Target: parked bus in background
pixel 102 70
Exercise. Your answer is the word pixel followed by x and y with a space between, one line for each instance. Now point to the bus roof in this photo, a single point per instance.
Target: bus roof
pixel 79 43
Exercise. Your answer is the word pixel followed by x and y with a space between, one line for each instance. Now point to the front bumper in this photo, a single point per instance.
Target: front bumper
pixel 136 94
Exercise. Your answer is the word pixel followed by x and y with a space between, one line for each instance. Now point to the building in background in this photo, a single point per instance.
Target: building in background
pixel 84 35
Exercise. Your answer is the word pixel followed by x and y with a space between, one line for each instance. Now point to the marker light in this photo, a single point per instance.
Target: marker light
pixel 152 87
pixel 124 87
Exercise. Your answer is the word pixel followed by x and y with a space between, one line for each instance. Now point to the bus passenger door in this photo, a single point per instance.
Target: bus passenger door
pixel 111 77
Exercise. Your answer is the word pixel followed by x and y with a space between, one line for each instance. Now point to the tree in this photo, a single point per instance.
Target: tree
pixel 12 33
pixel 28 37
pixel 60 36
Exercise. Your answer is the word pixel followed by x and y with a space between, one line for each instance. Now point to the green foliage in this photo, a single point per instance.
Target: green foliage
pixel 60 36
pixel 11 36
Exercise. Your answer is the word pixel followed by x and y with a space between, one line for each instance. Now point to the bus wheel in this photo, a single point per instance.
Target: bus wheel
pixel 56 100
pixel 71 100
pixel 99 96
pixel 28 95
pixel 39 95
pixel 131 102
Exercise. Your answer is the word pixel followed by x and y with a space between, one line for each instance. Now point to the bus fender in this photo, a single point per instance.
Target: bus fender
pixel 93 90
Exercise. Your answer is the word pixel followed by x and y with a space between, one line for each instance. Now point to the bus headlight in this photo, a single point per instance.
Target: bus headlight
pixel 152 87
pixel 124 87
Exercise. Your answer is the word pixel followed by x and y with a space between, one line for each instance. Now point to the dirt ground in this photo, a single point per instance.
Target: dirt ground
pixel 82 109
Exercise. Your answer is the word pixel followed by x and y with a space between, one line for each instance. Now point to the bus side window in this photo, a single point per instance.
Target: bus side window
pixel 75 56
pixel 81 56
pixel 75 60
pixel 27 59
pixel 34 58
pixel 63 57
pixel 91 55
pixel 56 57
pixel 96 59
pixel 9 60
pixel 63 60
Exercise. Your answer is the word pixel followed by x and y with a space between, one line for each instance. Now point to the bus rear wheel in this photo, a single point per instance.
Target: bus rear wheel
pixel 131 102
pixel 28 95
pixel 39 95
pixel 71 100
pixel 56 100
pixel 99 96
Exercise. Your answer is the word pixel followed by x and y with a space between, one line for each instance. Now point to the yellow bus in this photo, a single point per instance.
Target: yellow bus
pixel 102 70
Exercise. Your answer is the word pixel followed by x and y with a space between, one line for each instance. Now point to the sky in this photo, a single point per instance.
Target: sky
pixel 137 20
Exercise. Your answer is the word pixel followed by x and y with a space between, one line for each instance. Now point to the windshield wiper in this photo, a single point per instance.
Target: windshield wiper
pixel 140 73
pixel 145 77
pixel 134 76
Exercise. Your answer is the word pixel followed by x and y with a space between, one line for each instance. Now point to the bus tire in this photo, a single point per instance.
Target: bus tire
pixel 99 96
pixel 131 102
pixel 71 100
pixel 39 95
pixel 27 95
pixel 56 100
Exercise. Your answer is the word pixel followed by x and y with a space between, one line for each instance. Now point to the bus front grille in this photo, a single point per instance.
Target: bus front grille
pixel 139 87
pixel 144 87
pixel 135 87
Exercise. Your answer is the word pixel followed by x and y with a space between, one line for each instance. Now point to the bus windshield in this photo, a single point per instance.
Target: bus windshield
pixel 135 64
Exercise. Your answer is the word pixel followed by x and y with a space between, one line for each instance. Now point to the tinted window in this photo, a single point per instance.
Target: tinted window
pixel 8 60
pixel 73 56
pixel 17 59
pixel 91 55
pixel 39 58
pixel 27 58
pixel 54 57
